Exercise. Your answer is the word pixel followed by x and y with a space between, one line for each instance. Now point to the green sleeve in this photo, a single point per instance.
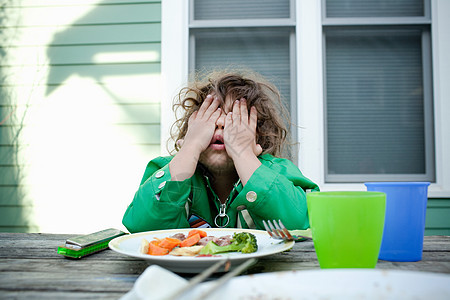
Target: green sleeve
pixel 158 202
pixel 277 190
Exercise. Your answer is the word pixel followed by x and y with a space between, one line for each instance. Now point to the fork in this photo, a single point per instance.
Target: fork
pixel 278 231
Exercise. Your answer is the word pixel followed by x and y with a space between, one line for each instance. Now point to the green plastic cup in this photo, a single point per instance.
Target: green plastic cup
pixel 347 227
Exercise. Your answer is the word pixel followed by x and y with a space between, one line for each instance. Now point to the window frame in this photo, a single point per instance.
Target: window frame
pixel 309 37
pixel 387 23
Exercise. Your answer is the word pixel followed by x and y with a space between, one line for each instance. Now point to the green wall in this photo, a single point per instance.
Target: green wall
pixel 70 50
pixel 438 217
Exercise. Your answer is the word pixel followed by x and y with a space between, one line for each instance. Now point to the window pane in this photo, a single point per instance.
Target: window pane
pixel 239 9
pixel 263 50
pixel 375 102
pixel 374 8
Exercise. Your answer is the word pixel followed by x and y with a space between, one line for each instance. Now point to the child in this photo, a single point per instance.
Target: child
pixel 226 172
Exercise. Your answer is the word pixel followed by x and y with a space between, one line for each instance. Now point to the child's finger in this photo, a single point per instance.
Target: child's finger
pixel 236 112
pixel 180 143
pixel 258 150
pixel 228 119
pixel 193 116
pixel 244 112
pixel 212 108
pixel 253 120
pixel 215 115
pixel 205 105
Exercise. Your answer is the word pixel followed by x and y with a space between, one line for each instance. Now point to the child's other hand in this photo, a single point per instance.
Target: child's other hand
pixel 202 124
pixel 240 131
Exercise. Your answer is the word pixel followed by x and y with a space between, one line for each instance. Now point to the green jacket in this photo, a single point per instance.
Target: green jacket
pixel 276 190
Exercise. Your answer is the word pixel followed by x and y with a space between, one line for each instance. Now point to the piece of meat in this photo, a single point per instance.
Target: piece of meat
pixel 179 236
pixel 223 240
pixel 205 240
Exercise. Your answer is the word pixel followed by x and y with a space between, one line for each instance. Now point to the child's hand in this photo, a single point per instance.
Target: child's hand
pixel 240 131
pixel 202 124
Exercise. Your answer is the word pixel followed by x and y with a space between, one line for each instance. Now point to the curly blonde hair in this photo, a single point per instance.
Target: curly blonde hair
pixel 271 132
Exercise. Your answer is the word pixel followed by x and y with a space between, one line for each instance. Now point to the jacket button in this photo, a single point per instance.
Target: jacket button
pixel 161 185
pixel 251 196
pixel 159 174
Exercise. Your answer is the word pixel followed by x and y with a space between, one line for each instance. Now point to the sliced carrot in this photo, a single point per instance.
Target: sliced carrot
pixel 190 241
pixel 156 250
pixel 169 243
pixel 200 232
pixel 156 242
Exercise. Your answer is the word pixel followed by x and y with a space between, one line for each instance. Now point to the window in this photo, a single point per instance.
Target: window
pixel 320 35
pixel 254 34
pixel 378 91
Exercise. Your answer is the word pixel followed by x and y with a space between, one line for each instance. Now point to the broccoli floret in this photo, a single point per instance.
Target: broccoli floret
pixel 243 242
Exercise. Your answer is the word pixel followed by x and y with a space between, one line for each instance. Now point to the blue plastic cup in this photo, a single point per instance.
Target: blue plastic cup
pixel 404 226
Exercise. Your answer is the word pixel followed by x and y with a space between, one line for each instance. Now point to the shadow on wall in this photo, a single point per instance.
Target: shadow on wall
pixel 111 41
pixel 107 42
pixel 14 210
pixel 117 48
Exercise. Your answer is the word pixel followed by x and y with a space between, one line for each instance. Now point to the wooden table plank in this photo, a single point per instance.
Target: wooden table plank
pixel 30 267
pixel 61 265
pixel 49 295
pixel 68 282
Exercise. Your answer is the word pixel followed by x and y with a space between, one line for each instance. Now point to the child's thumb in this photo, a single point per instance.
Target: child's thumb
pixel 180 143
pixel 258 150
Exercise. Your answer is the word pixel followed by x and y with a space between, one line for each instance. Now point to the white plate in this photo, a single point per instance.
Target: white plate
pixel 158 283
pixel 333 284
pixel 129 245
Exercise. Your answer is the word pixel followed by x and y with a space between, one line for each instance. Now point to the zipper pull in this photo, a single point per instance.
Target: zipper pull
pixel 222 214
pixel 222 210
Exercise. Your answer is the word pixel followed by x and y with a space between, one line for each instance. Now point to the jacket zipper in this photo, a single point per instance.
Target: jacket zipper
pixel 222 206
pixel 222 214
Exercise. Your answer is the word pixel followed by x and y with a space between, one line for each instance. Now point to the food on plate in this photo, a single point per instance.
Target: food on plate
pixel 197 242
pixel 243 242
pixel 144 246
pixel 169 243
pixel 186 251
pixel 158 246
pixel 154 249
pixel 190 240
pixel 197 231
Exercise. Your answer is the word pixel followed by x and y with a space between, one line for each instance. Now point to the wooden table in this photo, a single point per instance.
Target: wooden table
pixel 30 268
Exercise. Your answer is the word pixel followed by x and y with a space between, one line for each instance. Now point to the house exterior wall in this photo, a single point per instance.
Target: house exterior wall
pixel 79 110
pixel 437 220
pixel 82 87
